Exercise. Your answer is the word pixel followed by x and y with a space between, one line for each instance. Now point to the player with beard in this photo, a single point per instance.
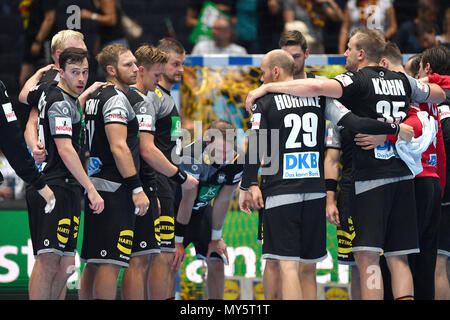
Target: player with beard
pixel 61 129
pixel 381 180
pixel 164 142
pixel 112 135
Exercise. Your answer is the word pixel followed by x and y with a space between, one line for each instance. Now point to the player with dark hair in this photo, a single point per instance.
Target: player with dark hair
pixel 61 132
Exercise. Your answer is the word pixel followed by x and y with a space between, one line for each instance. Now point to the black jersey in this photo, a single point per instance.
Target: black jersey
pixel 211 176
pixel 165 122
pixel 296 164
pixel 444 112
pixel 60 116
pixel 49 79
pixel 341 138
pixel 109 105
pixel 378 93
pixel 12 143
pixel 142 107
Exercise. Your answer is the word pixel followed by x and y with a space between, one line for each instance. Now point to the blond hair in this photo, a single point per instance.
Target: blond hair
pixel 372 41
pixel 109 56
pixel 60 39
pixel 148 55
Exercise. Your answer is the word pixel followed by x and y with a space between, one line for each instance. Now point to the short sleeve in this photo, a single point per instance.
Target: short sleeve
pixel 351 86
pixel 60 119
pixel 145 114
pixel 420 91
pixel 332 136
pixel 115 111
pixel 334 110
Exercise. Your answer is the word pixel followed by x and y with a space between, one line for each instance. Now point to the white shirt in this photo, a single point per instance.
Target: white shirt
pixel 209 47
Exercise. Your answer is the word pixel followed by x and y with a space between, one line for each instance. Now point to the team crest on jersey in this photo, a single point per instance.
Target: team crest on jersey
pixel 300 165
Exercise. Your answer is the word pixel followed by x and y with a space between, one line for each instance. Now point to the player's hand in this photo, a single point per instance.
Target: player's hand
pixel 97 204
pixel 257 197
pixel 406 132
pixel 246 201
pixel 220 247
pixel 39 153
pixel 368 142
pixel 180 254
pixel 252 96
pixel 49 197
pixel 190 183
pixel 333 213
pixel 45 69
pixel 141 203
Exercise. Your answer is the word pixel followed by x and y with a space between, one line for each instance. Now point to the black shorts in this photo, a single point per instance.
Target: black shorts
pixel 198 232
pixel 346 231
pixel 146 230
pixel 108 236
pixel 57 231
pixel 167 225
pixel 260 225
pixel 444 232
pixel 384 216
pixel 295 228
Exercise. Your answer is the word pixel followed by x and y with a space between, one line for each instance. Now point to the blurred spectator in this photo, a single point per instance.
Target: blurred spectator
pixel 444 38
pixel 313 14
pixel 426 35
pixel 108 17
pixel 221 40
pixel 271 26
pixel 39 18
pixel 374 14
pixel 405 37
pixel 247 24
pixel 201 14
pixel 12 187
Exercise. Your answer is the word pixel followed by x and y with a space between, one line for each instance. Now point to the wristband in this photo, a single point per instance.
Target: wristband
pixel 180 230
pixel 132 182
pixel 216 234
pixel 94 16
pixel 179 177
pixel 137 190
pixel 330 185
pixel 179 239
pixel 38 41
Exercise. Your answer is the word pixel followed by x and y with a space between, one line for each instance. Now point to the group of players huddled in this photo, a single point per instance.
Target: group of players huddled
pixel 148 194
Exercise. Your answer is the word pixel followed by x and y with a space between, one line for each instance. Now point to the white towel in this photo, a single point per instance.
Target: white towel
pixel 411 152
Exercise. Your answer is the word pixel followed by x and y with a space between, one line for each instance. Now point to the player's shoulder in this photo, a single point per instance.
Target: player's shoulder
pixel 134 96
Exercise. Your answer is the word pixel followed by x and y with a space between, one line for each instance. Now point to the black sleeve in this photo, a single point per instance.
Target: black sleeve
pixel 252 161
pixel 13 145
pixel 367 126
